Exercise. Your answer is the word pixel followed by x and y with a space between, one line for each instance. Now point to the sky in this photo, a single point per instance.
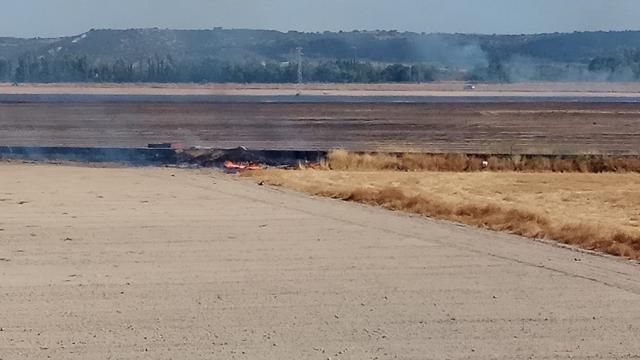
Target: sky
pixel 50 18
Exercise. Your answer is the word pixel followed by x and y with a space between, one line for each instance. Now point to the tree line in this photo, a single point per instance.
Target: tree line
pixel 165 69
pixel 621 66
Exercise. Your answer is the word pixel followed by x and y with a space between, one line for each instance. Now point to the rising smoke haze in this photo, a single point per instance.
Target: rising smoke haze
pixel 397 41
pixel 263 56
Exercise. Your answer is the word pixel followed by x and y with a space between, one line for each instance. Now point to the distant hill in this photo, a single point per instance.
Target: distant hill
pixel 463 52
pixel 12 48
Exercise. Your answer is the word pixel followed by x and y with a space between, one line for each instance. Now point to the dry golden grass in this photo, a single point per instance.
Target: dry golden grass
pixel 344 160
pixel 594 211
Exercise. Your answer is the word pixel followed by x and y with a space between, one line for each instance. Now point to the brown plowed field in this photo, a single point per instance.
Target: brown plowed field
pixel 562 128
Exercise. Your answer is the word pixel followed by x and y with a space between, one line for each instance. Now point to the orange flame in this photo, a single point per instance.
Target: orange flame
pixel 230 165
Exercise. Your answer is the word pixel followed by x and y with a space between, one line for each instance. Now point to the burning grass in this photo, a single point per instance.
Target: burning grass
pixel 344 160
pixel 594 211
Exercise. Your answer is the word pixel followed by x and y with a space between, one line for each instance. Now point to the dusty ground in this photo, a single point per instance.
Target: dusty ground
pixel 428 89
pixel 162 263
pixel 485 128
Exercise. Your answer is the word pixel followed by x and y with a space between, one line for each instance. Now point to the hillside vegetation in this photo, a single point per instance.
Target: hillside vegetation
pixel 221 55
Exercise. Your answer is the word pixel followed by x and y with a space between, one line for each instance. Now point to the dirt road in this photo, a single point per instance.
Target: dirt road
pixel 175 264
pixel 437 89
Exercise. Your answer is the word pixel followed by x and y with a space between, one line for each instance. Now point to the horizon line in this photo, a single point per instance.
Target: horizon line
pixel 219 28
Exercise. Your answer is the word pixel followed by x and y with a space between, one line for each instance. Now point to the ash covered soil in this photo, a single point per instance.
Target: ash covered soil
pixel 537 128
pixel 166 263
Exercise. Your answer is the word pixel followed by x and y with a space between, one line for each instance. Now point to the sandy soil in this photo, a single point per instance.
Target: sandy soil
pixel 468 128
pixel 432 89
pixel 163 263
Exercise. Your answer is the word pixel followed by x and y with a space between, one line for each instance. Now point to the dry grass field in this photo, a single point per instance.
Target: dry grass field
pixel 594 211
pixel 345 160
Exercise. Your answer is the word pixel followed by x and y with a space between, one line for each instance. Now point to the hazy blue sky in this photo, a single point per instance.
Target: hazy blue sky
pixel 67 17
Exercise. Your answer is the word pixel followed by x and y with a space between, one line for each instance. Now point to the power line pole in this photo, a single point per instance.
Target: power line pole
pixel 300 54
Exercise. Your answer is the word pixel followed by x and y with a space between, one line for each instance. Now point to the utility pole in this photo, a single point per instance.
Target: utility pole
pixel 299 55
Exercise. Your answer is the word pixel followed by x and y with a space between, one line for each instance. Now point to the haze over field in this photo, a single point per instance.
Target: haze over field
pixel 420 41
pixel 266 56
